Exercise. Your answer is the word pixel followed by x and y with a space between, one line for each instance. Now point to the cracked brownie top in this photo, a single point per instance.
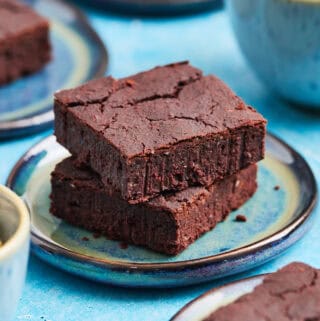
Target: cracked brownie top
pixel 158 108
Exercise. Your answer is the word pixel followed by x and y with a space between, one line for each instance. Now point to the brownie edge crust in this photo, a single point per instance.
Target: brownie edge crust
pixel 158 131
pixel 166 224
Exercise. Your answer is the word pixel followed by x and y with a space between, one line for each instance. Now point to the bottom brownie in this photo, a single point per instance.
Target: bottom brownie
pixel 167 223
pixel 291 294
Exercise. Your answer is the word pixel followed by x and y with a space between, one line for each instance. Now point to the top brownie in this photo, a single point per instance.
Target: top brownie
pixel 161 130
pixel 291 294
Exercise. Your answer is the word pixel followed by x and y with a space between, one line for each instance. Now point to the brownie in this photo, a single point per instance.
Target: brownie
pixel 24 41
pixel 163 130
pixel 291 294
pixel 167 223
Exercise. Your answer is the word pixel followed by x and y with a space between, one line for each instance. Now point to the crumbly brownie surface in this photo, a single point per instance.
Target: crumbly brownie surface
pixel 167 223
pixel 24 40
pixel 291 294
pixel 161 130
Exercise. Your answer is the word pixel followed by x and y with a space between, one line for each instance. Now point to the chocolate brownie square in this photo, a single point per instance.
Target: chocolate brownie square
pixel 163 130
pixel 24 41
pixel 168 223
pixel 291 294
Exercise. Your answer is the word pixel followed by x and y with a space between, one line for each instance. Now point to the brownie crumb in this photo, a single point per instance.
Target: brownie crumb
pixel 96 235
pixel 123 245
pixel 85 239
pixel 241 218
pixel 276 188
pixel 130 82
pixel 241 106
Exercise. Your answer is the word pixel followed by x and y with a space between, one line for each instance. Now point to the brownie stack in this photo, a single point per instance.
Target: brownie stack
pixel 158 158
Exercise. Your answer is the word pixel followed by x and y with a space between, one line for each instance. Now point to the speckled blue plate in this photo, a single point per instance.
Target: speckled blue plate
pixel 211 301
pixel 276 220
pixel 156 7
pixel 78 55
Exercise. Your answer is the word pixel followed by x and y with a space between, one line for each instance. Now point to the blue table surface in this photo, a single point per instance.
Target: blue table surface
pixel 134 45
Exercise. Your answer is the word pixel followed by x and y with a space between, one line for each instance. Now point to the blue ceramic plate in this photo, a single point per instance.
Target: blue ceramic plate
pixel 276 220
pixel 212 300
pixel 156 7
pixel 78 55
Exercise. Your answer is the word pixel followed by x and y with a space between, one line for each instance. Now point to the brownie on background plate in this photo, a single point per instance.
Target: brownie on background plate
pixel 291 294
pixel 159 131
pixel 168 223
pixel 24 41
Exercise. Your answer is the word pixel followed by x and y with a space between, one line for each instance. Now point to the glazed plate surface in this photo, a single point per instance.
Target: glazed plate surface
pixel 157 7
pixel 276 219
pixel 78 55
pixel 212 300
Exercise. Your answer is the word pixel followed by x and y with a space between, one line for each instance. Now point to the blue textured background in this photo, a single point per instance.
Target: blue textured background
pixel 135 44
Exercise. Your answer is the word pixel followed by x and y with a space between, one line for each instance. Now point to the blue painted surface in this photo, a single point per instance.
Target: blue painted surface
pixel 134 45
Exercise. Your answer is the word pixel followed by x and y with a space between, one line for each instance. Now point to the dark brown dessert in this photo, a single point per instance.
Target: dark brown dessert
pixel 167 223
pixel 241 218
pixel 24 41
pixel 159 131
pixel 291 294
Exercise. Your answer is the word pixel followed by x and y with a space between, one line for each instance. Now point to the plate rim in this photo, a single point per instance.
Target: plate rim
pixel 158 8
pixel 243 251
pixel 13 128
pixel 215 290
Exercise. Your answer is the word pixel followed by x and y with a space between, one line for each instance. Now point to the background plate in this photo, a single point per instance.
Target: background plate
pixel 78 55
pixel 211 301
pixel 276 220
pixel 156 7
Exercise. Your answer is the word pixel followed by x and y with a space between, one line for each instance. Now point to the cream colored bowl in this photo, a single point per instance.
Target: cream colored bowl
pixel 14 251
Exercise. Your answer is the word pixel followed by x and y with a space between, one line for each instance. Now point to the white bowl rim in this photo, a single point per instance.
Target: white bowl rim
pixel 22 233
